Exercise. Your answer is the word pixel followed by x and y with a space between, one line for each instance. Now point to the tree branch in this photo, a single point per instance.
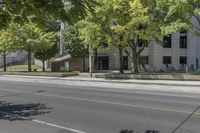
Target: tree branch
pixel 140 50
pixel 127 52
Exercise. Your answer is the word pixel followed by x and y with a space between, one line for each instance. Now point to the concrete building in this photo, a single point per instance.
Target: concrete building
pixel 181 51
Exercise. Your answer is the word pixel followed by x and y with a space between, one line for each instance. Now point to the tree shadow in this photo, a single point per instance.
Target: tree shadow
pixel 132 131
pixel 14 112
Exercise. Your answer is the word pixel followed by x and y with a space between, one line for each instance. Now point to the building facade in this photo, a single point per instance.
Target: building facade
pixel 180 51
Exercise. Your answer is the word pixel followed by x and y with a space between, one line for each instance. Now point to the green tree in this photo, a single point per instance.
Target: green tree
pixel 112 19
pixel 91 35
pixel 46 54
pixel 6 46
pixel 73 44
pixel 117 21
pixel 31 38
pixel 134 23
pixel 188 11
pixel 39 11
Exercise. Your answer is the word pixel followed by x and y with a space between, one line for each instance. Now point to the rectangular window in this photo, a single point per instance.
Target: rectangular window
pixel 144 60
pixel 183 60
pixel 183 41
pixel 103 62
pixel 125 62
pixel 183 31
pixel 142 43
pixel 167 40
pixel 167 60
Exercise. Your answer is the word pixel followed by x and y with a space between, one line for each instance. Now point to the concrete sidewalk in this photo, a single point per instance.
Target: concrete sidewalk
pixel 126 81
pixel 136 81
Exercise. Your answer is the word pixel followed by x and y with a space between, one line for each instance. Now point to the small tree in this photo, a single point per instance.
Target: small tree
pixel 91 34
pixel 46 54
pixel 73 44
pixel 6 45
pixel 31 38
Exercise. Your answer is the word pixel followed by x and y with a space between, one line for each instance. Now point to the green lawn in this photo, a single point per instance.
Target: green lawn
pixel 22 68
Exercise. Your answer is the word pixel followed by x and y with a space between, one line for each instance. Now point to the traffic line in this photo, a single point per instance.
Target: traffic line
pixel 57 126
pixel 46 123
pixel 117 104
pixel 109 102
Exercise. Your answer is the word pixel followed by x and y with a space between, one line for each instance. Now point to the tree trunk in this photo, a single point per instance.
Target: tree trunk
pixel 95 59
pixel 4 61
pixel 84 63
pixel 43 66
pixel 135 60
pixel 29 62
pixel 121 66
pixel 85 50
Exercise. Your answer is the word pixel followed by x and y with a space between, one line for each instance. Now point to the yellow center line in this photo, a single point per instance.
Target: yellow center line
pixel 118 104
pixel 107 102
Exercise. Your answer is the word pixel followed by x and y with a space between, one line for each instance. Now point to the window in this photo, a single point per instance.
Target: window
pixel 167 60
pixel 57 26
pixel 167 40
pixel 125 62
pixel 183 60
pixel 183 41
pixel 183 31
pixel 142 43
pixel 103 62
pixel 144 60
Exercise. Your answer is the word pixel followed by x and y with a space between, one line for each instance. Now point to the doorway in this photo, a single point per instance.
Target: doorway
pixel 103 62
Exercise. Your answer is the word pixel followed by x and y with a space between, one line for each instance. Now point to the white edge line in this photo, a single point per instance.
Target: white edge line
pixel 57 126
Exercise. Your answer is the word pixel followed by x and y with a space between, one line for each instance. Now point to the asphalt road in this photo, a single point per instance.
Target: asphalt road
pixel 50 108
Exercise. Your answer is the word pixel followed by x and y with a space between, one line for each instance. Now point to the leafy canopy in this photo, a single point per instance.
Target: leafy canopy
pixel 20 11
pixel 6 42
pixel 31 38
pixel 73 43
pixel 46 54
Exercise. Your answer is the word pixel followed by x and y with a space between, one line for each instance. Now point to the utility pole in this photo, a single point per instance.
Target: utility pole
pixel 90 60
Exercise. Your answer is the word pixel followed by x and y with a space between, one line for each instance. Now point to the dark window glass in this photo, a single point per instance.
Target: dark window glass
pixel 144 60
pixel 167 40
pixel 142 43
pixel 183 41
pixel 183 31
pixel 103 63
pixel 167 60
pixel 183 60
pixel 125 62
pixel 58 43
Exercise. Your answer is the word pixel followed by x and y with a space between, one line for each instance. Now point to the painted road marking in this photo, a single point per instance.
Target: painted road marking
pixel 46 123
pixel 106 102
pixel 57 126
pixel 118 104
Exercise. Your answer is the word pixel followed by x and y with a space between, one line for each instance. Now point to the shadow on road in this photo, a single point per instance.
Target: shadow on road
pixel 131 131
pixel 13 112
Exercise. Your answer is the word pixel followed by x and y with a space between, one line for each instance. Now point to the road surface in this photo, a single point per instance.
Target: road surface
pixel 32 107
